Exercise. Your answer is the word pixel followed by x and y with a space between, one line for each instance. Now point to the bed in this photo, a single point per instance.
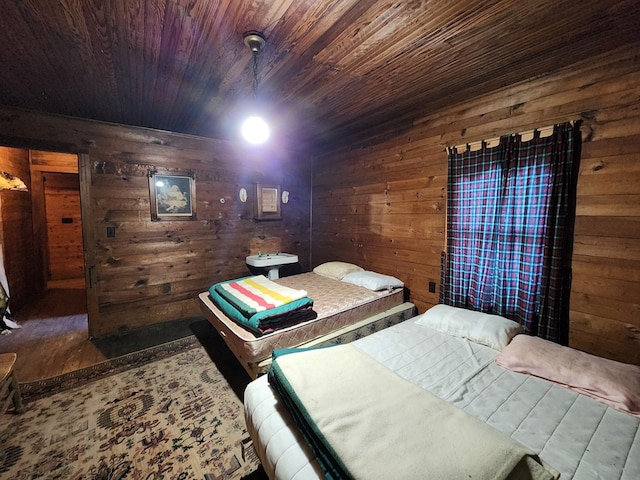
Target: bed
pixel 576 435
pixel 345 312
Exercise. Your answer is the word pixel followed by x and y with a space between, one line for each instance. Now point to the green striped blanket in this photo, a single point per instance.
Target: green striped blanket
pixel 260 304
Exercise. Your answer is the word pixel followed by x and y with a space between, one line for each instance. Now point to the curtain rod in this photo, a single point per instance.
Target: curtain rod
pixel 492 142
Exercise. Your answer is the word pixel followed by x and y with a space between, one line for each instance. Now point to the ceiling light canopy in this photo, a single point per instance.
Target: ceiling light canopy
pixel 255 129
pixel 255 41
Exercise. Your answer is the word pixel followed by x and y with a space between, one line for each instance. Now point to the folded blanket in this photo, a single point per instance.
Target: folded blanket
pixel 265 320
pixel 256 294
pixel 364 421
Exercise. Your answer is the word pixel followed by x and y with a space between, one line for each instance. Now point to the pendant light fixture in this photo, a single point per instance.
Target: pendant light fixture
pixel 255 129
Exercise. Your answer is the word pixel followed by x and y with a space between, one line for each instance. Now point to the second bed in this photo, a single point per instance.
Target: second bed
pixel 345 312
pixel 577 435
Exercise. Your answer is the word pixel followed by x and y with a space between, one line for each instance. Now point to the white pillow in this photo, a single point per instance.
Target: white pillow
pixel 372 280
pixel 336 270
pixel 491 330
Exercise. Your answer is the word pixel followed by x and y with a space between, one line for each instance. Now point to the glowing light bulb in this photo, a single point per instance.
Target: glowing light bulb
pixel 255 130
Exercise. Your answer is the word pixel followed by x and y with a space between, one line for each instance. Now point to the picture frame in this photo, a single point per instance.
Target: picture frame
pixel 172 195
pixel 268 202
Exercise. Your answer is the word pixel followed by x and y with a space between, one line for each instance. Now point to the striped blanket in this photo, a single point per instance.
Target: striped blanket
pixel 257 294
pixel 260 304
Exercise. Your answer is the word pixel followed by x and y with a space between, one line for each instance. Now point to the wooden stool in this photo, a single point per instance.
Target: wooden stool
pixel 9 389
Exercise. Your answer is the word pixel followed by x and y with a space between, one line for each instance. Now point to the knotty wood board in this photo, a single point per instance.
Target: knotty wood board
pixel 352 216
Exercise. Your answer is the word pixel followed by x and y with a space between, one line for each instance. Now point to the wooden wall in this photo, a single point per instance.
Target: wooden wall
pixel 55 243
pixel 381 204
pixel 16 230
pixel 152 272
pixel 64 226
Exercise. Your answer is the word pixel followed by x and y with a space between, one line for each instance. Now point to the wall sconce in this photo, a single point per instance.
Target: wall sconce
pixel 11 182
pixel 285 196
pixel 242 194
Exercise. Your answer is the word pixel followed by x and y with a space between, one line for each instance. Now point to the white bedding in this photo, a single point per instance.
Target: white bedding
pixel 576 435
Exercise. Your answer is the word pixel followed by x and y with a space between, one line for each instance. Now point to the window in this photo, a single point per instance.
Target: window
pixel 510 230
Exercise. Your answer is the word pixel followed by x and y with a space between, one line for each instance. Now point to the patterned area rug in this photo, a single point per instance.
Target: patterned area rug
pixel 163 413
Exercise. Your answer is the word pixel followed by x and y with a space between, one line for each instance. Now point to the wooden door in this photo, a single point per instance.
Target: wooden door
pixel 65 259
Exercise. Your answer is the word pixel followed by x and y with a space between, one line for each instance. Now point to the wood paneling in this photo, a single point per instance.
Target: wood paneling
pixel 16 230
pixel 44 163
pixel 378 88
pixel 381 204
pixel 151 272
pixel 64 226
pixel 330 68
pixel 53 162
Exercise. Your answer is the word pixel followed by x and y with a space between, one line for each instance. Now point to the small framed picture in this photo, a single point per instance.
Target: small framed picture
pixel 268 206
pixel 172 195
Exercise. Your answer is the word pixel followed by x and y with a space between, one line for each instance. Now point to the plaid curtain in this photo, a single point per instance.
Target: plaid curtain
pixel 510 230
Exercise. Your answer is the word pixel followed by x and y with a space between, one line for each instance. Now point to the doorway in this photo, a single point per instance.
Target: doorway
pixel 42 240
pixel 57 219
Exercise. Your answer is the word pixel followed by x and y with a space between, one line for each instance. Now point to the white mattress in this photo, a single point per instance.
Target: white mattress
pixel 578 436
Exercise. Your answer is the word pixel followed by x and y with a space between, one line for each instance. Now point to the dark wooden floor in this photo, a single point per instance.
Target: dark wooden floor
pixel 53 339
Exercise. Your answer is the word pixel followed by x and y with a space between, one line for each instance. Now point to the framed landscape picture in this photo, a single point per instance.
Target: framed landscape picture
pixel 172 195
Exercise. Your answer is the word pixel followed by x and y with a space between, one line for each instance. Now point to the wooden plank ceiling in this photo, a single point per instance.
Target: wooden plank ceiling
pixel 331 69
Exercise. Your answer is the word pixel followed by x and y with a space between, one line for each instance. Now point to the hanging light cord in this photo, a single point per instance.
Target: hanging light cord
pixel 255 75
pixel 255 130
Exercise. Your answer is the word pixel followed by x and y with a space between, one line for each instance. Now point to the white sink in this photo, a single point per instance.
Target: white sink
pixel 271 262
